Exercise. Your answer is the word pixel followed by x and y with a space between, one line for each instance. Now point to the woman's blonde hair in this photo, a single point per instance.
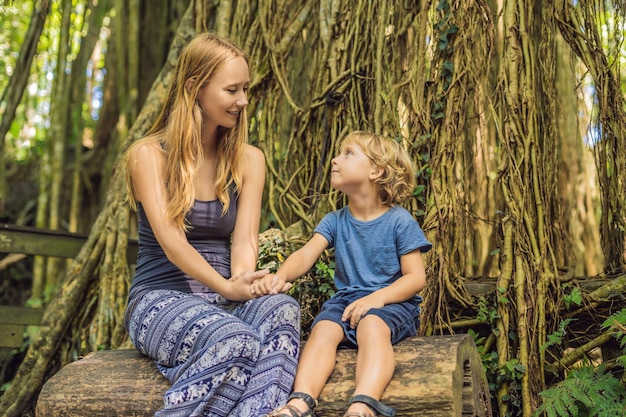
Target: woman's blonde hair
pixel 178 129
pixel 397 182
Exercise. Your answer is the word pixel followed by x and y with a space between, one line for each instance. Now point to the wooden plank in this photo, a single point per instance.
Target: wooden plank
pixel 21 315
pixel 11 335
pixel 44 242
pixel 30 241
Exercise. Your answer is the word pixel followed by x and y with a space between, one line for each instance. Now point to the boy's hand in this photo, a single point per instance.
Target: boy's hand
pixel 357 309
pixel 239 287
pixel 270 284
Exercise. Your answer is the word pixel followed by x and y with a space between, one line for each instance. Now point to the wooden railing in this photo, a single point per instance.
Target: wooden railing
pixel 32 241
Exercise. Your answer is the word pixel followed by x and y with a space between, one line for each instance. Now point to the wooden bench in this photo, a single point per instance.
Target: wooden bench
pixel 438 376
pixel 42 242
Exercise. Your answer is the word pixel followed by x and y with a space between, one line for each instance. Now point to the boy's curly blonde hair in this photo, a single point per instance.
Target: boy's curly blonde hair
pixel 397 182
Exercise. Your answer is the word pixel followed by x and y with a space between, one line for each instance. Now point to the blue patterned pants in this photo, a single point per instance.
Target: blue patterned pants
pixel 224 359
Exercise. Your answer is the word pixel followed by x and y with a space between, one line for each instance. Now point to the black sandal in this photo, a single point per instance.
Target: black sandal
pixel 378 407
pixel 293 411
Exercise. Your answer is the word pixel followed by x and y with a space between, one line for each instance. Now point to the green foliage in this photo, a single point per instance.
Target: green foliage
pixel 446 32
pixel 588 391
pixel 617 324
pixel 486 312
pixel 326 274
pixel 4 387
pixel 489 359
pixel 274 247
pixel 574 297
pixel 556 338
pixel 312 289
pixel 14 20
pixel 422 176
pixel 585 392
pixel 511 372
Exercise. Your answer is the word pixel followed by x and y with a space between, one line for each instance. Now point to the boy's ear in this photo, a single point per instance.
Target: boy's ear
pixel 376 172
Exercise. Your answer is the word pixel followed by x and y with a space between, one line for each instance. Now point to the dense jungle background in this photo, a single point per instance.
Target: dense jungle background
pixel 513 111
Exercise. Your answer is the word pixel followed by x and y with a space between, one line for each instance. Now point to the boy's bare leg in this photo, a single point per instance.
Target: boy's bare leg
pixel 375 361
pixel 317 361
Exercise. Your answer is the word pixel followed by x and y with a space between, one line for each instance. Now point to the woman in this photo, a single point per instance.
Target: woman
pixel 197 187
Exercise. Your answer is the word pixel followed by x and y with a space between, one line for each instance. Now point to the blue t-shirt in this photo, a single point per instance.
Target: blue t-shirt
pixel 367 253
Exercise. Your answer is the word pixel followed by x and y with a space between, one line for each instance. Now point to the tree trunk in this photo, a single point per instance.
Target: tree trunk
pixel 58 139
pixel 94 16
pixel 12 96
pixel 576 177
pixel 71 301
pixel 579 27
pixel 529 280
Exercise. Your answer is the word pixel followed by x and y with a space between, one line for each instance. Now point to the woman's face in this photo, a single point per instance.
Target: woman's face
pixel 226 94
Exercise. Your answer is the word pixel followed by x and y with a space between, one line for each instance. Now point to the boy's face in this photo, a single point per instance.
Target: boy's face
pixel 351 169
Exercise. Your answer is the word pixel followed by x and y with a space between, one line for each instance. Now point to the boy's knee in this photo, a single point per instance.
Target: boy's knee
pixel 372 326
pixel 326 332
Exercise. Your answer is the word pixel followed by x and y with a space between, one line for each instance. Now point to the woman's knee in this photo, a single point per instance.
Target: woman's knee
pixel 283 307
pixel 289 305
pixel 240 344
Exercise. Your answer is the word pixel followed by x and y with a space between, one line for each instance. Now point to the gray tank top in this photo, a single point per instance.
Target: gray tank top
pixel 210 234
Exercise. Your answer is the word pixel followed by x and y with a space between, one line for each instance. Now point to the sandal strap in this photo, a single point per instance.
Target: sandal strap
pixel 375 405
pixel 310 401
pixel 357 414
pixel 293 412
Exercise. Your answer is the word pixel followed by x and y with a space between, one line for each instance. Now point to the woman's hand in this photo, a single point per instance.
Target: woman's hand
pixel 239 286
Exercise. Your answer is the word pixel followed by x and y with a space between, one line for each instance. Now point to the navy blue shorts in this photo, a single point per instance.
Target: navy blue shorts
pixel 402 318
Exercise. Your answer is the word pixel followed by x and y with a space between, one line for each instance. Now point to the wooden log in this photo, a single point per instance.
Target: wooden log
pixel 105 383
pixel 440 376
pixel 434 376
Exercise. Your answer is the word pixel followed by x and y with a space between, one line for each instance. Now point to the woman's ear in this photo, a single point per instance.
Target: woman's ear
pixel 189 84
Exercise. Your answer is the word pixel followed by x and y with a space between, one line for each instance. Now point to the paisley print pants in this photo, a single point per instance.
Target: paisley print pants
pixel 224 359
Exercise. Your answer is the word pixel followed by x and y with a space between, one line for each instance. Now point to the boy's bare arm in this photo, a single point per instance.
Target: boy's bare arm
pixel 412 281
pixel 296 265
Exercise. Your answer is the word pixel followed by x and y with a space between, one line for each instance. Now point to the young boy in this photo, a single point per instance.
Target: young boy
pixel 379 270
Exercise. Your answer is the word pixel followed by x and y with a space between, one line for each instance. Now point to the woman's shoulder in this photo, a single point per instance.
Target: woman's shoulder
pixel 252 153
pixel 252 159
pixel 147 147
